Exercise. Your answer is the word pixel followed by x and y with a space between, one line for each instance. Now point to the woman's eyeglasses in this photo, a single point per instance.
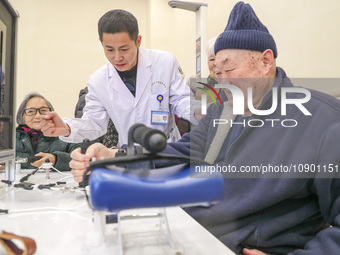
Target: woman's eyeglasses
pixel 33 111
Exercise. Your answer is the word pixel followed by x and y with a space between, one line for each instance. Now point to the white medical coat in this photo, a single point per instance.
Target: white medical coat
pixel 158 73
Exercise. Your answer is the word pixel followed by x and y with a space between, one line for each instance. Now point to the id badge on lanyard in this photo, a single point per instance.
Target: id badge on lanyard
pixel 159 117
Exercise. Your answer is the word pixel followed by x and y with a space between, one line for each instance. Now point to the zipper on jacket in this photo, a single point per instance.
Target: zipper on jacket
pixel 245 130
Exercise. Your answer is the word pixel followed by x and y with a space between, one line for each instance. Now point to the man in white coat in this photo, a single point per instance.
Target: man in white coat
pixel 136 86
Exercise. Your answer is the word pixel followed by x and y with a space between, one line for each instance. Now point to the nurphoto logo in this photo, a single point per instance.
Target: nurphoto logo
pixel 239 103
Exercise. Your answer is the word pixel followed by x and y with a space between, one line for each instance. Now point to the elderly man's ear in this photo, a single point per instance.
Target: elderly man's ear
pixel 268 60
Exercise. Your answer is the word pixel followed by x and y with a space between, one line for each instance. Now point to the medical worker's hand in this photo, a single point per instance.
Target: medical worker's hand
pixel 80 161
pixel 252 252
pixel 53 125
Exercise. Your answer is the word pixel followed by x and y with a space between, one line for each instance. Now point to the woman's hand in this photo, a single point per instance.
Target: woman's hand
pixel 252 252
pixel 44 156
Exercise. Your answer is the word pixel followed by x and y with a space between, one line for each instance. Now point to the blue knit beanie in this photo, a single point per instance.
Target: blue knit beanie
pixel 245 31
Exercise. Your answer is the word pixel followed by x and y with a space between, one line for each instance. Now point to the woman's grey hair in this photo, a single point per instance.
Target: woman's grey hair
pixel 20 113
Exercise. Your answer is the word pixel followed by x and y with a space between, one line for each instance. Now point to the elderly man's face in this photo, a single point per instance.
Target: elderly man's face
pixel 242 68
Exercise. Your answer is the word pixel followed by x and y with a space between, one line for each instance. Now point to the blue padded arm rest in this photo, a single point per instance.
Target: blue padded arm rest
pixel 115 191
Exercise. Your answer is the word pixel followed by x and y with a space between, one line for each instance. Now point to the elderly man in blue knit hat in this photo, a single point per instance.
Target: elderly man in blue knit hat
pixel 279 154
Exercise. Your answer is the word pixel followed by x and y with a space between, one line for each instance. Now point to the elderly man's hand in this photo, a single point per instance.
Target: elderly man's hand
pixel 252 252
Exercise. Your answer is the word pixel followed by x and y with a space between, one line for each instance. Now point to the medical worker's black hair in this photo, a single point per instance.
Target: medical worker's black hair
pixel 116 21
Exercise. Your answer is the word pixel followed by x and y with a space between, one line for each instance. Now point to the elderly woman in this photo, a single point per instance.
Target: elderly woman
pixel 31 142
pixel 211 79
pixel 211 61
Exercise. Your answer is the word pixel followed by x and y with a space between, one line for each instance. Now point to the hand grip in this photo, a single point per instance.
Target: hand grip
pixel 83 147
pixel 153 140
pixel 33 158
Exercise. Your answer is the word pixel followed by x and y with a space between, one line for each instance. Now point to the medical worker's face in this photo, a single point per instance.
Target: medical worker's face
pixel 120 50
pixel 243 69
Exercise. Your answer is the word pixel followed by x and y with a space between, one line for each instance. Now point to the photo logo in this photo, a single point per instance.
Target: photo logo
pixel 204 97
pixel 239 104
pixel 209 93
pixel 239 101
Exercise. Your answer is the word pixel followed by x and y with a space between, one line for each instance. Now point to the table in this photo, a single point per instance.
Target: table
pixel 61 222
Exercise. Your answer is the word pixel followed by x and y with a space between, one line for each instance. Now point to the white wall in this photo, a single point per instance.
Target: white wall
pixel 305 31
pixel 58 45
